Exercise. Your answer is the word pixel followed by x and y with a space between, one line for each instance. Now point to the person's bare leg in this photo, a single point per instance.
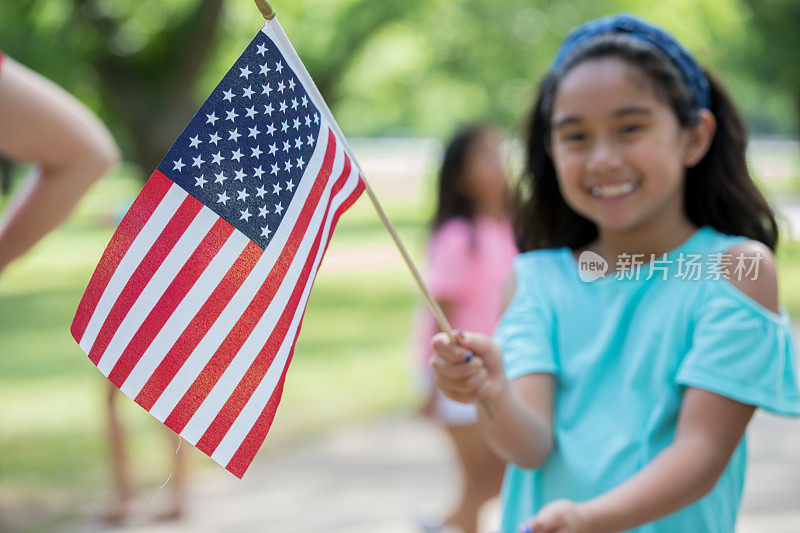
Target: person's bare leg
pixel 118 508
pixel 481 476
pixel 177 484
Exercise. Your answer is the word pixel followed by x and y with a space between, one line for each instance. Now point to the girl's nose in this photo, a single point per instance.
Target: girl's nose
pixel 603 159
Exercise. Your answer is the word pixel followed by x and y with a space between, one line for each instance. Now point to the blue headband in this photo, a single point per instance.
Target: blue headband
pixel 635 27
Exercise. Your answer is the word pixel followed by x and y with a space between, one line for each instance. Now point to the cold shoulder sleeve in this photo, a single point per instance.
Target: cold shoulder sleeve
pixel 525 330
pixel 742 350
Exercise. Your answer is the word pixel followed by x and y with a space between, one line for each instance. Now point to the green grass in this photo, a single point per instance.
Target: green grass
pixel 351 361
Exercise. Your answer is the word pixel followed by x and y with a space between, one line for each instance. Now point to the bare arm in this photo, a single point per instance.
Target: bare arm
pixel 520 429
pixel 70 148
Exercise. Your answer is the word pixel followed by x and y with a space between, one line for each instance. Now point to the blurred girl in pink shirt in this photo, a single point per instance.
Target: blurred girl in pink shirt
pixel 469 254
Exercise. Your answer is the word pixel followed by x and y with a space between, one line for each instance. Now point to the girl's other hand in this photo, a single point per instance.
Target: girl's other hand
pixel 560 516
pixel 469 370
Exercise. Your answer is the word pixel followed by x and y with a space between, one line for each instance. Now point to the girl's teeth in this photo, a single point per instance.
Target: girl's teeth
pixel 609 191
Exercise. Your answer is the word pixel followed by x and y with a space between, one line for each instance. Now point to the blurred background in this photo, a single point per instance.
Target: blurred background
pixel 345 451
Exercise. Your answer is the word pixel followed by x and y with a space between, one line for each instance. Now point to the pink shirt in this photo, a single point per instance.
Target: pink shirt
pixel 468 264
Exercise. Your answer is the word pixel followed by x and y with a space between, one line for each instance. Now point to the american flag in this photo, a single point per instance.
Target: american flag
pixel 196 304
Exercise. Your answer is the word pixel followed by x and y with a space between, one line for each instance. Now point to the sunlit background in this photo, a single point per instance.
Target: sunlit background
pixel 399 77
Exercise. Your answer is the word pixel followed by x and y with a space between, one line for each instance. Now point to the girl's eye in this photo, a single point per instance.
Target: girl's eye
pixel 631 128
pixel 573 137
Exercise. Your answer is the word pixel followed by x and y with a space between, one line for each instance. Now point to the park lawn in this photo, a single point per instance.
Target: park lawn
pixel 351 361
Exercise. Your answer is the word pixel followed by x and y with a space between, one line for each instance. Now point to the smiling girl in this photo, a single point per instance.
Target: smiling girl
pixel 622 403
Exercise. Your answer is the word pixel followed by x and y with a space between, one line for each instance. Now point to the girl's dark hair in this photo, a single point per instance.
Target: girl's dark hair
pixel 452 201
pixel 718 192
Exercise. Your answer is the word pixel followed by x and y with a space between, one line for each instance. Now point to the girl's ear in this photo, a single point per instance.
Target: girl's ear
pixel 699 138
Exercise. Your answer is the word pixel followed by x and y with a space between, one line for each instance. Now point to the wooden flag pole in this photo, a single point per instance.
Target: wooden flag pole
pixel 269 13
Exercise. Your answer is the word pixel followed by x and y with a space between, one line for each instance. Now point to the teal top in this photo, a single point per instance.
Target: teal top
pixel 621 349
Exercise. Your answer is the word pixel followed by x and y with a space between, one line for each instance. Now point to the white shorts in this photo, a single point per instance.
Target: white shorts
pixel 453 413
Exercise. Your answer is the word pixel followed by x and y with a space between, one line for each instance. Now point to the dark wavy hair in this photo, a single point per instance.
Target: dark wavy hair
pixel 718 192
pixel 452 201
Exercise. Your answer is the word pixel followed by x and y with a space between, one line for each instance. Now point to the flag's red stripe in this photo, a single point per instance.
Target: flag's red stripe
pixel 172 296
pixel 199 325
pixel 144 272
pixel 255 373
pixel 132 223
pixel 252 442
pixel 234 340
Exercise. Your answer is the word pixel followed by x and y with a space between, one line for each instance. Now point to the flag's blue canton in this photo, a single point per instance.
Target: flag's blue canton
pixel 245 150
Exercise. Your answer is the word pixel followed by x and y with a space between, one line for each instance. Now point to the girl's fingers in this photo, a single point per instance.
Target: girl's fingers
pixel 456 370
pixel 448 350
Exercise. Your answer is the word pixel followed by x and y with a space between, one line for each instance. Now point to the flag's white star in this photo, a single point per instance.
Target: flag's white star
pixel 266 89
pixel 179 164
pixel 258 172
pixel 294 104
pixel 304 101
pixel 244 72
pixel 281 87
pixel 300 162
pixel 223 198
pixel 270 128
pixel 262 49
pixel 264 69
pixel 232 114
pixel 310 140
pixel 217 158
pixel 194 142
pixel 253 132
pixel 261 191
pixel 279 67
pixel 298 143
pixel 278 208
pixel 268 109
pixel 212 118
pixel 214 138
pixel 247 92
pixel 272 149
pixel 236 155
pixel 265 231
pixel 256 152
pixel 296 123
pixel 243 195
pixel 290 186
pixel 291 84
pixel 288 165
pixel 283 106
pixel 200 180
pixel 316 118
pixel 285 146
pixel 197 161
pixel 284 126
pixel 262 211
pixel 221 177
pixel 251 112
pixel 308 120
pixel 240 175
pixel 245 215
pixel 234 135
pixel 274 169
pixel 228 96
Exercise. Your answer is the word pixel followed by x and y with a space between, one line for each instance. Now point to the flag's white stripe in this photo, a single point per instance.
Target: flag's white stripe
pixel 241 300
pixel 185 312
pixel 163 276
pixel 272 28
pixel 138 249
pixel 233 374
pixel 255 405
